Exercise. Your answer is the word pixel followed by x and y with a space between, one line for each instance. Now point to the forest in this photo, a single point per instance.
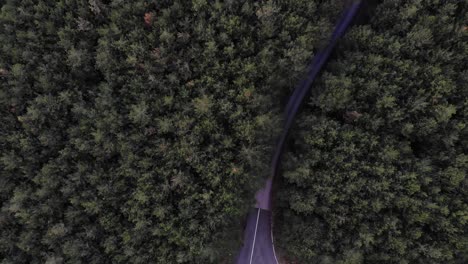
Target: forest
pixel 376 171
pixel 138 131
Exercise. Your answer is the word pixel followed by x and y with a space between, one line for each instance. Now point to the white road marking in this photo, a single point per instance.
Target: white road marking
pixel 255 236
pixel 273 244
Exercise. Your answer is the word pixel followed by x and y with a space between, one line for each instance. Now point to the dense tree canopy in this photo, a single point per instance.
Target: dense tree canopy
pixel 137 131
pixel 378 161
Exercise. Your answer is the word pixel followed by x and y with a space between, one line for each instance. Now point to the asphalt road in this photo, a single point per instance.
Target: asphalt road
pixel 259 248
pixel 263 196
pixel 304 86
pixel 258 245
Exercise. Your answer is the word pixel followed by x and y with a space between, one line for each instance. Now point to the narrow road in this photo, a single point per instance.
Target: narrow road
pixel 258 245
pixel 258 231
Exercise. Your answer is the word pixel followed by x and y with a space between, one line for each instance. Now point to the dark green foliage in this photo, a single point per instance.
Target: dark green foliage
pixel 137 131
pixel 378 164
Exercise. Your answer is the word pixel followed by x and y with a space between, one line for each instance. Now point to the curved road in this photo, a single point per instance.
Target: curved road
pixel 258 245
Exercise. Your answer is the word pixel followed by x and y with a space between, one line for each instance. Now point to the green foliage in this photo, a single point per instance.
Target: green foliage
pixel 138 131
pixel 377 167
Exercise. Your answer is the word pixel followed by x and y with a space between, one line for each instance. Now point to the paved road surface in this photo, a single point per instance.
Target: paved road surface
pixel 260 250
pixel 263 196
pixel 258 245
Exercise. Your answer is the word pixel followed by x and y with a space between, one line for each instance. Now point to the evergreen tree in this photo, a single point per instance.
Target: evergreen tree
pixel 377 167
pixel 137 132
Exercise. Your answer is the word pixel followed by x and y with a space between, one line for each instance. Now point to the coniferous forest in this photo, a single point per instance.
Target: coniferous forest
pixel 139 131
